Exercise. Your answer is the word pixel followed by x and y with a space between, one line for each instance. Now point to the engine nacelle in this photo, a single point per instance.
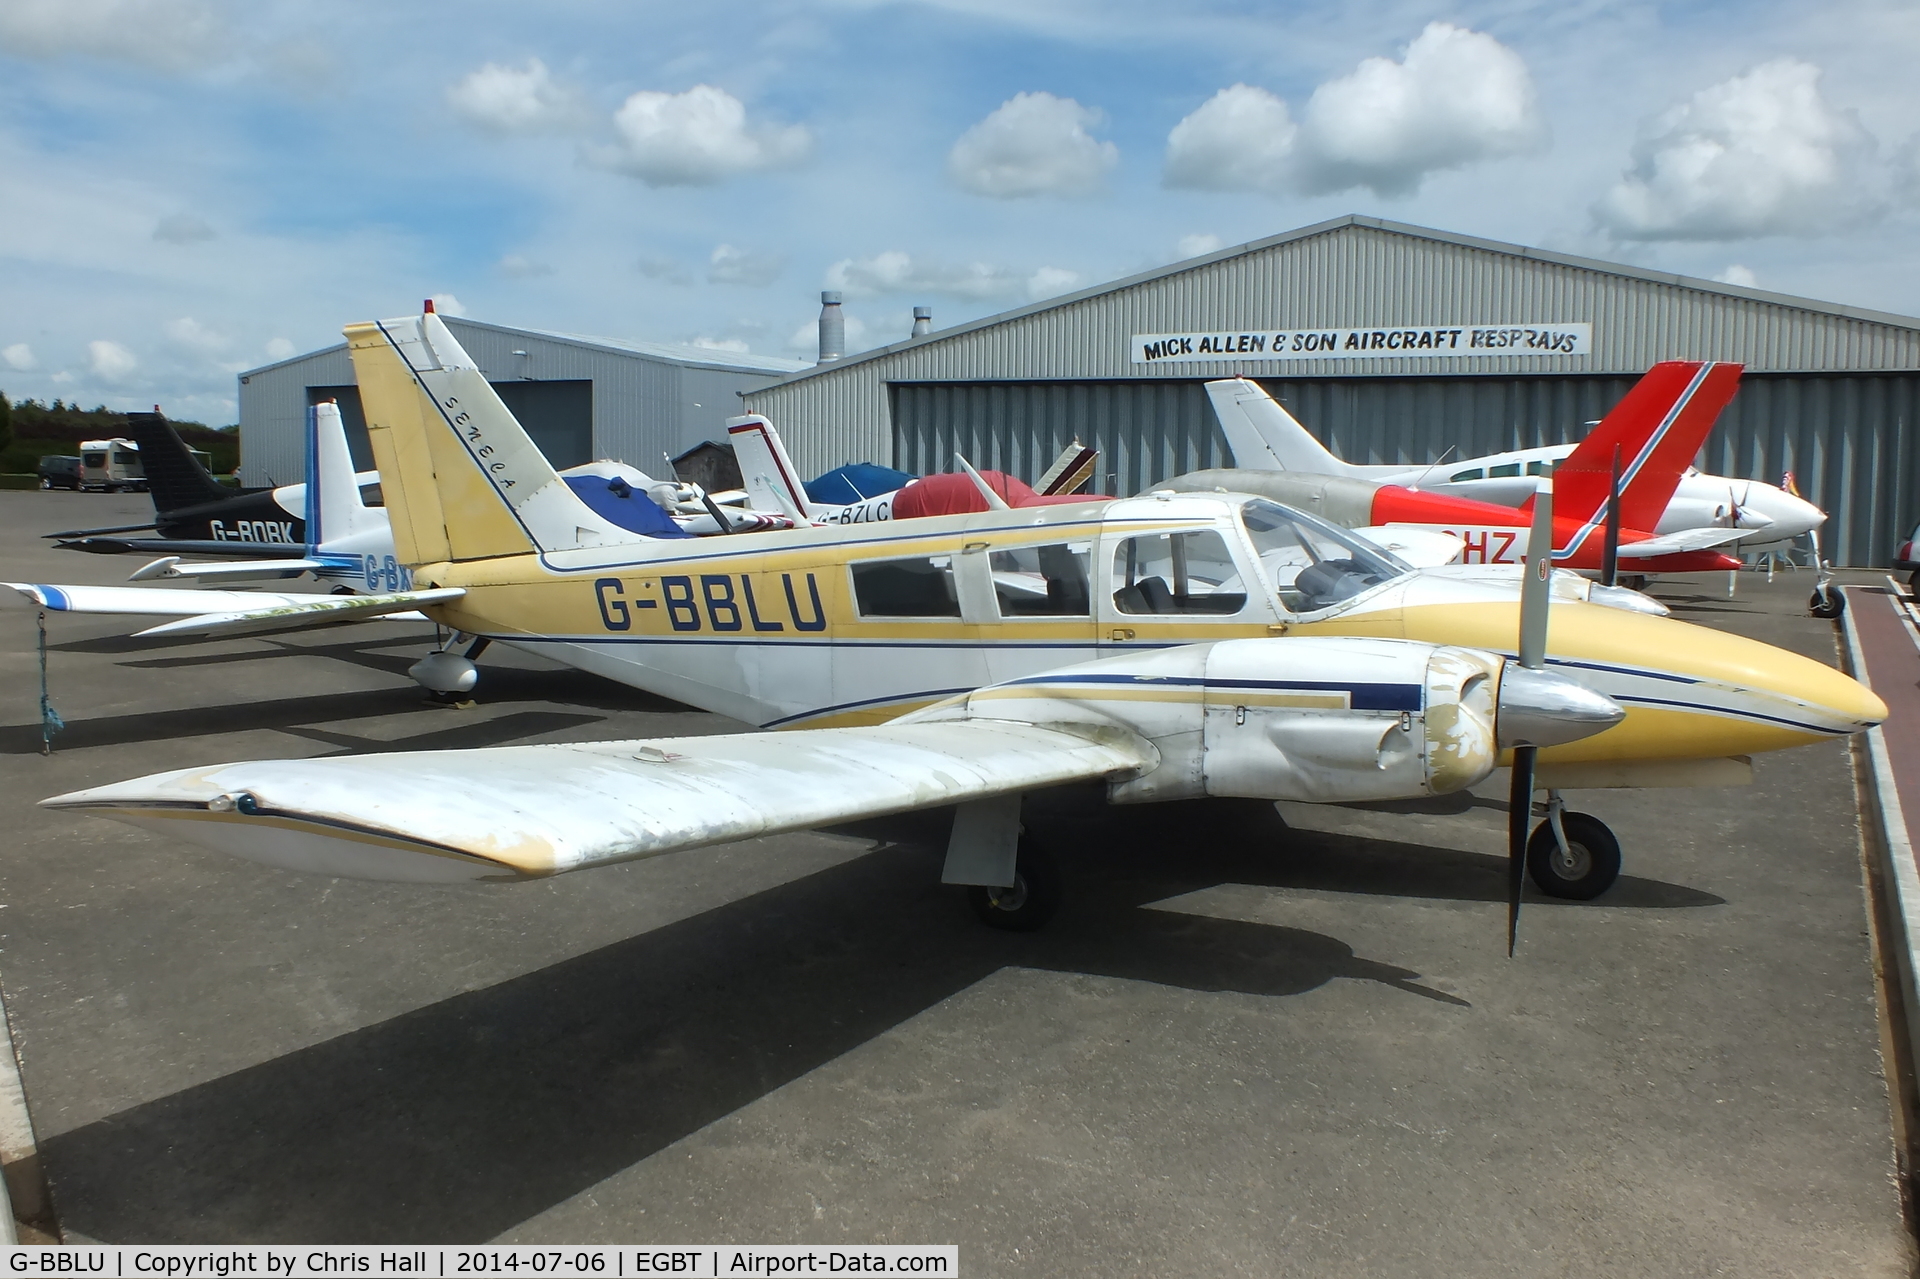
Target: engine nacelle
pixel 1318 719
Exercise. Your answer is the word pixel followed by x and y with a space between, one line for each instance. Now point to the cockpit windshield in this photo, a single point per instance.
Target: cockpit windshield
pixel 1310 563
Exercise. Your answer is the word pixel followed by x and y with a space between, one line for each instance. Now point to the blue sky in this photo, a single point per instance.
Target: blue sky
pixel 194 187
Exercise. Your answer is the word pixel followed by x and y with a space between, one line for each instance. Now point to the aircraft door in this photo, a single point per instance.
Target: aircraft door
pixel 1041 605
pixel 1159 587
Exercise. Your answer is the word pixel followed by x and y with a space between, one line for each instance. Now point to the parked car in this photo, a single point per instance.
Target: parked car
pixel 1907 560
pixel 59 472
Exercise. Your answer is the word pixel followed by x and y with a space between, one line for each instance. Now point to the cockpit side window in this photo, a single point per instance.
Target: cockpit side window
pixel 1309 563
pixel 1506 470
pixel 1173 573
pixel 1459 477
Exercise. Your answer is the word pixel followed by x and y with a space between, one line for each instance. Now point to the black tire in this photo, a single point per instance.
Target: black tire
pixel 1826 601
pixel 1594 863
pixel 1913 583
pixel 1032 900
pixel 45 483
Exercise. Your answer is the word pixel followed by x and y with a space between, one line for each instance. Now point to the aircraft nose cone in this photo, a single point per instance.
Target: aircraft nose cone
pixel 1540 708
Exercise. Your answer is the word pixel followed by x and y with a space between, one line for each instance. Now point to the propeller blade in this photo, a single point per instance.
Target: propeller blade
pixel 1535 590
pixel 1610 555
pixel 1519 819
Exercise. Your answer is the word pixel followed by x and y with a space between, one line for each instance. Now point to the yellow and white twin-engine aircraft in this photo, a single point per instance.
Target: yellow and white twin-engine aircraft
pixel 1173 645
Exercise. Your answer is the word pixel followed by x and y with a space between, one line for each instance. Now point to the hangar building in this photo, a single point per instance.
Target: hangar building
pixel 1393 343
pixel 580 398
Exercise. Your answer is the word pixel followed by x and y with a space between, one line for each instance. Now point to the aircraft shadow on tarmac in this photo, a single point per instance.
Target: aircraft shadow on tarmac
pixel 457 1121
pixel 302 715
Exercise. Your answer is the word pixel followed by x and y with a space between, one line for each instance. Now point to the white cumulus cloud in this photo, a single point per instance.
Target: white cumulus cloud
pixel 517 99
pixel 279 349
pixel 20 358
pixel 447 304
pixel 1740 275
pixel 521 267
pixel 1455 98
pixel 697 138
pixel 1240 139
pixel 1199 245
pixel 194 336
pixel 173 35
pixel 729 265
pixel 1033 144
pixel 666 270
pixel 895 271
pixel 1759 154
pixel 110 361
pixel 737 346
pixel 183 228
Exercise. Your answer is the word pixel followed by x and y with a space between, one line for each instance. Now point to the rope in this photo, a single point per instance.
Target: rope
pixel 50 721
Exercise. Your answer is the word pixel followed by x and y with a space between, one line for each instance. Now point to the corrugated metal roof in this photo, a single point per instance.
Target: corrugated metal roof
pixel 1354 272
pixel 672 352
pixel 1543 256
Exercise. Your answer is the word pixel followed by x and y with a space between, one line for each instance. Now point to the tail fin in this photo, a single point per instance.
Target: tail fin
pixel 334 508
pixel 1069 472
pixel 175 477
pixel 462 480
pixel 765 469
pixel 1264 436
pixel 1658 426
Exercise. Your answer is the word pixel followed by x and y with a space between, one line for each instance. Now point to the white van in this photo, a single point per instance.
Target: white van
pixel 111 465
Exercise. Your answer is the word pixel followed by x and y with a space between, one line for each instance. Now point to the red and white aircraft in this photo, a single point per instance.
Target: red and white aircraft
pixel 1653 432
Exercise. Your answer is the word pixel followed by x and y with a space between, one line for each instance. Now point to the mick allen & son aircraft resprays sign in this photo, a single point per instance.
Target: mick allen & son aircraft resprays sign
pixel 1364 344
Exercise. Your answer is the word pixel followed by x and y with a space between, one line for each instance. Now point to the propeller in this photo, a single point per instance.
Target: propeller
pixel 1535 597
pixel 1610 555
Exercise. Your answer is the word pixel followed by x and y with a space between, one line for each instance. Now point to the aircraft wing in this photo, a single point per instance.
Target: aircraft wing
pixel 519 812
pixel 1420 547
pixel 229 612
pixel 177 546
pixel 1688 539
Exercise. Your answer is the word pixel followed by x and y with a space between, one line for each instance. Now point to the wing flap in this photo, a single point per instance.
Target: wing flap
pixel 528 811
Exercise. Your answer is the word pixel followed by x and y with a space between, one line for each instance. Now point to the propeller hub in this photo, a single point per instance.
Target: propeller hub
pixel 1540 708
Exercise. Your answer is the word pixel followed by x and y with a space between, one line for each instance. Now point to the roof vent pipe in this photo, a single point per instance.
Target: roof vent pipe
pixel 922 321
pixel 833 327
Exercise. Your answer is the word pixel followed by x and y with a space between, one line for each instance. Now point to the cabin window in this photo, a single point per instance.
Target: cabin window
pixel 126 457
pixel 917 587
pixel 1460 476
pixel 94 459
pixel 1042 581
pixel 1505 471
pixel 1540 468
pixel 1177 573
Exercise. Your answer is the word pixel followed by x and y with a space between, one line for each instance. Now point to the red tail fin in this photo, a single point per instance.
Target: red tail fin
pixel 1659 425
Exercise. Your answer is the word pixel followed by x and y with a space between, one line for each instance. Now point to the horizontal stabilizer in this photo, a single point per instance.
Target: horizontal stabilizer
pixel 154 601
pixel 1412 544
pixel 313 610
pixel 178 546
pixel 170 566
pixel 517 812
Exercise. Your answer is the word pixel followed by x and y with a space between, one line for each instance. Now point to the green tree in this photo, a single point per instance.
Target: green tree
pixel 6 421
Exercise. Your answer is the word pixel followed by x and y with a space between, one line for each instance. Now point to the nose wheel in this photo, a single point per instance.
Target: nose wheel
pixel 1578 862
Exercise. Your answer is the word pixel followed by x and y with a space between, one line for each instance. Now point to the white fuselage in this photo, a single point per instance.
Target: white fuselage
pixel 1700 501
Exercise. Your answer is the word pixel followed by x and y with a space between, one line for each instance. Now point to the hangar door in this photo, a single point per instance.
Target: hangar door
pixel 1846 436
pixel 558 415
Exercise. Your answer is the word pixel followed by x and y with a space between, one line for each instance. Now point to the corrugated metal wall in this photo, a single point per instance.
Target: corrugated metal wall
pixel 643 406
pixel 1847 437
pixel 1356 272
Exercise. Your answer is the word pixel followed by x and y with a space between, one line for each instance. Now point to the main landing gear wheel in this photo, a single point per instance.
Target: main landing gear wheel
pixel 1913 583
pixel 1582 870
pixel 1031 901
pixel 1826 601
